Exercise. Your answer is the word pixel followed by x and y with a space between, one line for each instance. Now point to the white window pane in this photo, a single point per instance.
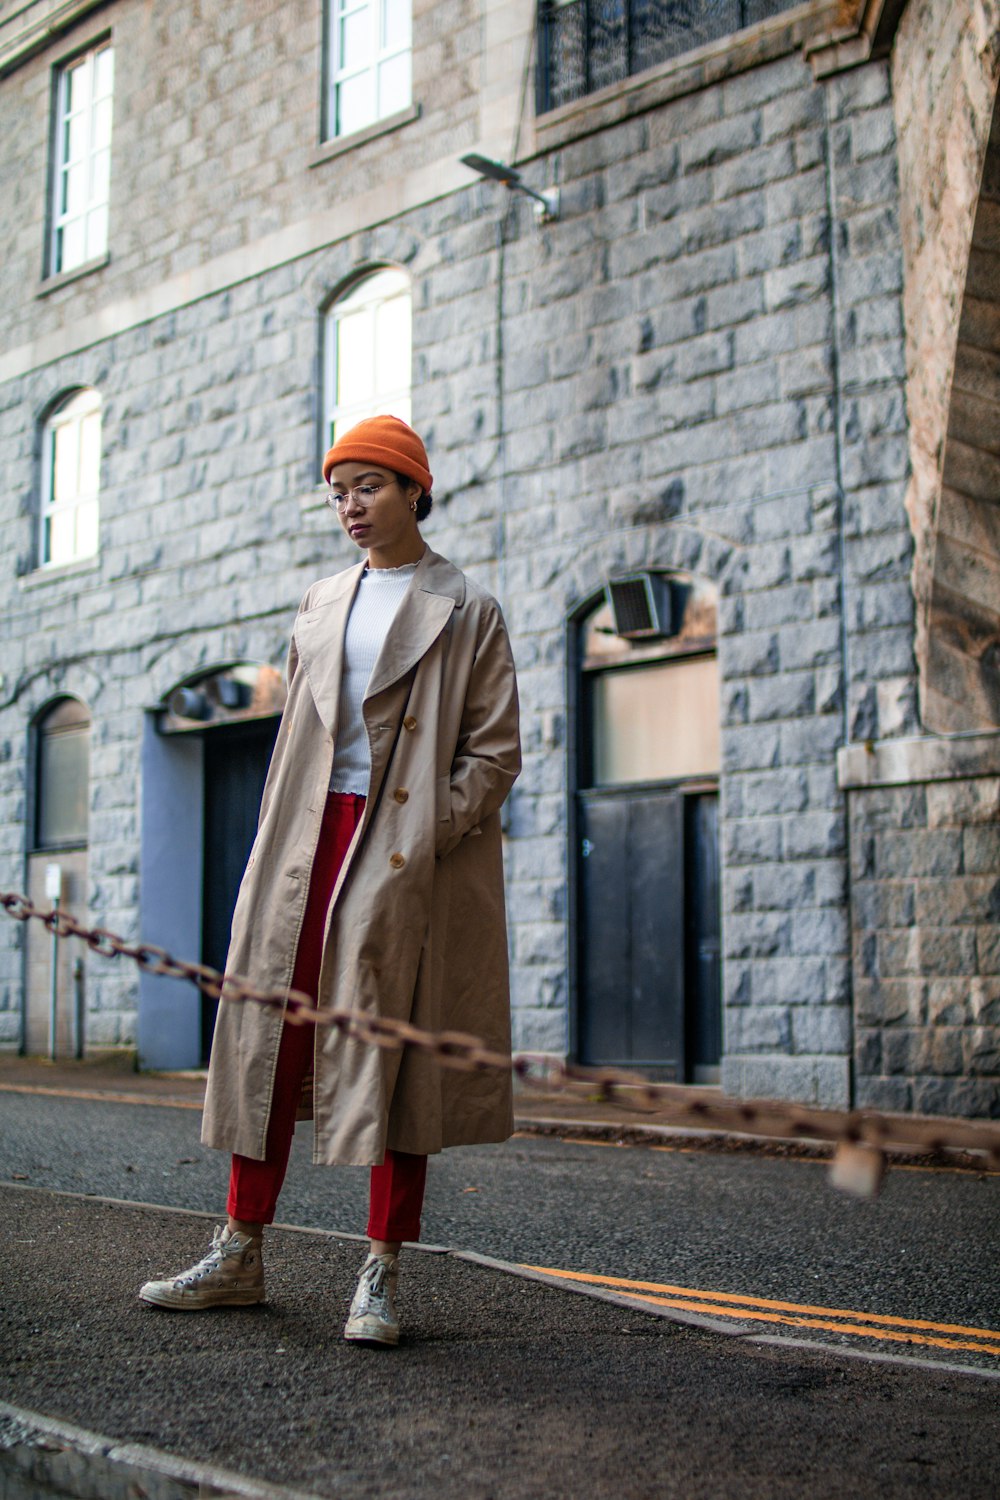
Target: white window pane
pixel 67 463
pixel 392 345
pixel 100 177
pixel 86 529
pixel 355 41
pixel 78 87
pixel 656 723
pixel 395 24
pixel 355 359
pixel 75 140
pixel 102 126
pixel 355 103
pixel 393 84
pixel 75 193
pixel 61 537
pixel 97 231
pixel 73 250
pixel 90 454
pixel 104 73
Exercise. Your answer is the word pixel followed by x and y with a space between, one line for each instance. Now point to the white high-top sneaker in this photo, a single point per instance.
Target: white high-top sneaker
pixel 372 1319
pixel 231 1274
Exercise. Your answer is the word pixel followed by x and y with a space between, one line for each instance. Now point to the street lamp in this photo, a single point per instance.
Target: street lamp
pixel 546 203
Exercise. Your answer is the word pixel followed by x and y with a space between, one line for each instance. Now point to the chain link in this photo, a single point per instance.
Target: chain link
pixel 854 1131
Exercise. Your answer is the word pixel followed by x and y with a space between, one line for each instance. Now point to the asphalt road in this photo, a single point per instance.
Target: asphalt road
pixel 742 1224
pixel 502 1389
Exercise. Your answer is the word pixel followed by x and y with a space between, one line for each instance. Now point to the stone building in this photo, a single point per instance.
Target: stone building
pixel 716 414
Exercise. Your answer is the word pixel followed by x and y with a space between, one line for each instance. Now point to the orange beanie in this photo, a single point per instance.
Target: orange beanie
pixel 386 441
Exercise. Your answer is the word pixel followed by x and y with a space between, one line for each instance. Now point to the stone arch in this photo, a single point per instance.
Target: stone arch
pixel 962 665
pixel 674 548
pixel 336 270
pixel 947 148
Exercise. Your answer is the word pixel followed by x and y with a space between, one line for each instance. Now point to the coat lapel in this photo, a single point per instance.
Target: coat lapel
pixel 319 639
pixel 436 590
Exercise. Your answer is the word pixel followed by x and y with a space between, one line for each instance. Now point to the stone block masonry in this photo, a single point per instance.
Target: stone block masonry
pixel 703 372
pixel 925 873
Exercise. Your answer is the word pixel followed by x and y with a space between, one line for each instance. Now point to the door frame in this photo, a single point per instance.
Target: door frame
pixel 575 750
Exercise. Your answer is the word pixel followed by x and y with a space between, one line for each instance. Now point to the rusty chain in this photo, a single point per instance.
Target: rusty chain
pixel 861 1136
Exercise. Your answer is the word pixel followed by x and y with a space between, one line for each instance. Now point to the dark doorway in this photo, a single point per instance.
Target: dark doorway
pixel 236 760
pixel 631 947
pixel 647 951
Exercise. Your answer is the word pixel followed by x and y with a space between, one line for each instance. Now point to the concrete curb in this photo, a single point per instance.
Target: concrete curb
pixel 42 1459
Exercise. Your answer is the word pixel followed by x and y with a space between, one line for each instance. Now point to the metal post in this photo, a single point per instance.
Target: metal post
pixel 78 1007
pixel 53 890
pixel 53 988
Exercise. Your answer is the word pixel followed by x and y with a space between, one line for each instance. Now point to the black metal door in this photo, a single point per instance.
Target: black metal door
pixel 236 762
pixel 631 930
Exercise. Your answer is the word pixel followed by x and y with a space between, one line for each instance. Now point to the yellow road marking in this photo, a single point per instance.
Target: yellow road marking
pixel 732 1305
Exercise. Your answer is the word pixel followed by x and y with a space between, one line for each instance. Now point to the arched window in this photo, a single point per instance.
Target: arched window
pixel 71 470
pixel 62 776
pixel 367 353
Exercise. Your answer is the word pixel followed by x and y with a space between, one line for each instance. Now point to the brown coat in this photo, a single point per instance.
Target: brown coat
pixel 416 928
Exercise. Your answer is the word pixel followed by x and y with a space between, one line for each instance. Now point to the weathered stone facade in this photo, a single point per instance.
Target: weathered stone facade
pixel 701 367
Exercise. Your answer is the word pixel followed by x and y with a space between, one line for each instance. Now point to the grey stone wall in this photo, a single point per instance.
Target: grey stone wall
pixel 217 141
pixel 703 369
pixel 925 865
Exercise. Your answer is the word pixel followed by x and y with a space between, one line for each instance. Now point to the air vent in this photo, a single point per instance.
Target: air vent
pixel 640 606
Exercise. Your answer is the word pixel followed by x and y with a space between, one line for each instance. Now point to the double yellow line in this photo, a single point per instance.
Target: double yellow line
pixel 914 1331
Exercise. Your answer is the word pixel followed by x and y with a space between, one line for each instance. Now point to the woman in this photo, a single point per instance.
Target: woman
pixel 375 882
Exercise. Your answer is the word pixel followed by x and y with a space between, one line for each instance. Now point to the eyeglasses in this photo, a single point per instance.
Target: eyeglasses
pixel 363 495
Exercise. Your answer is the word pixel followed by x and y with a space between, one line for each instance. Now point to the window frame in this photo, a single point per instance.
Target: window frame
pixel 59 217
pixel 380 54
pixel 87 401
pixel 80 724
pixel 387 400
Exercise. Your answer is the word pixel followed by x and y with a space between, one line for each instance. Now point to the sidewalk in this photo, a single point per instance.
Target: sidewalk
pixel 113 1077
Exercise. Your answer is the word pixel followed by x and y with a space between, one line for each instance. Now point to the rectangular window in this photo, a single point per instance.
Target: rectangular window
pixel 71 470
pixel 82 160
pixel 585 45
pixel 656 723
pixel 368 62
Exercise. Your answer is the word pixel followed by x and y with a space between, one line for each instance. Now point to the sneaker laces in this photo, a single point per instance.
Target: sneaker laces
pixel 374 1288
pixel 209 1262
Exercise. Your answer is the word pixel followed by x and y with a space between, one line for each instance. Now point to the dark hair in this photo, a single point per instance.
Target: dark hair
pixel 426 498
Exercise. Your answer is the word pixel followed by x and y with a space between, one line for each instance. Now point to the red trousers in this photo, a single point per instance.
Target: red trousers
pixel 396 1191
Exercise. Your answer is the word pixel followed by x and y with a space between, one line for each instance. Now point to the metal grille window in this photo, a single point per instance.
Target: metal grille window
pixel 82 167
pixel 71 468
pixel 369 62
pixel 585 45
pixel 367 354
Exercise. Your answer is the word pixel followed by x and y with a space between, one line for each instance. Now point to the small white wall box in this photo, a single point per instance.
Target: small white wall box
pixel 640 605
pixel 53 882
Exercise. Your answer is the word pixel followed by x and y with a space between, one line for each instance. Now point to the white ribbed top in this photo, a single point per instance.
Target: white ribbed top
pixel 378 597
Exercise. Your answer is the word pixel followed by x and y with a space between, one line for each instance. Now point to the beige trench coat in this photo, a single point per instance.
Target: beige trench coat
pixel 416 927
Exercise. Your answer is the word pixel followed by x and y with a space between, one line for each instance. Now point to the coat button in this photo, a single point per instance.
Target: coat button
pixel 401 795
pixel 397 861
pixel 409 722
